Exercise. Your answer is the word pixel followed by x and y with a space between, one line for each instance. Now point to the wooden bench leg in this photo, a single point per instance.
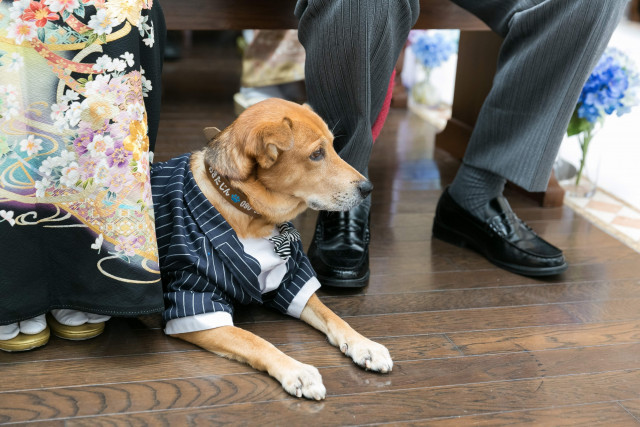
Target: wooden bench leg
pixel 477 59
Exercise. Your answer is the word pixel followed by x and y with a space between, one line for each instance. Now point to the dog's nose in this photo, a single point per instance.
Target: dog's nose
pixel 365 188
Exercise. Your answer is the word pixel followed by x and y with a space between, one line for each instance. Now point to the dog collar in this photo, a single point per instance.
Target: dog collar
pixel 234 196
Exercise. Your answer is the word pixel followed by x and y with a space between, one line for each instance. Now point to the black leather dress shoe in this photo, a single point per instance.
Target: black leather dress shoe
pixel 339 252
pixel 502 237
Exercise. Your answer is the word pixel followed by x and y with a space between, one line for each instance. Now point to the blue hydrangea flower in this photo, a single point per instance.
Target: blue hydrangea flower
pixel 611 88
pixel 433 47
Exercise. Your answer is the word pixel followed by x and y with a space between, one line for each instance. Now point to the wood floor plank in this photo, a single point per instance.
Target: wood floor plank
pixel 633 407
pixel 439 263
pixel 386 282
pixel 66 373
pixel 75 371
pixel 365 303
pixel 344 380
pixel 190 364
pixel 599 414
pixel 460 371
pixel 447 320
pixel 605 311
pixel 120 339
pixel 414 265
pixel 321 354
pixel 318 353
pixel 546 337
pixel 423 323
pixel 65 402
pixel 394 406
pixel 481 324
pixel 357 305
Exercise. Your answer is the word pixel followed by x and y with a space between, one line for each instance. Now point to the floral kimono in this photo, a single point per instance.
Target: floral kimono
pixel 79 102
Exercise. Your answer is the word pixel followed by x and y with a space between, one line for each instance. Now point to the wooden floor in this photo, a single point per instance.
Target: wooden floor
pixel 472 344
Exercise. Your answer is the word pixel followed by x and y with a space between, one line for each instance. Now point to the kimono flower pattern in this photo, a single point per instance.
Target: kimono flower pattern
pixel 84 151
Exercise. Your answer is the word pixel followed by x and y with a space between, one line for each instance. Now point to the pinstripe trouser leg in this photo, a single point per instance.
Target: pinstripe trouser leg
pixel 549 50
pixel 352 47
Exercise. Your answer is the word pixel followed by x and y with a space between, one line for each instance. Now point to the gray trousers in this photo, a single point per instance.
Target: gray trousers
pixel 549 50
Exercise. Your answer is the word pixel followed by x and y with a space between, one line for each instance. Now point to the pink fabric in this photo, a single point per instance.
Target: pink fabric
pixel 382 116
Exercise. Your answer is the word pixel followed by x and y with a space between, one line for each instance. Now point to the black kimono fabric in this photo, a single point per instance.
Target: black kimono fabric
pixel 79 109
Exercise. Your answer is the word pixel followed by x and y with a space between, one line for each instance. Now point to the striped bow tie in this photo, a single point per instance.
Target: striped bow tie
pixel 282 242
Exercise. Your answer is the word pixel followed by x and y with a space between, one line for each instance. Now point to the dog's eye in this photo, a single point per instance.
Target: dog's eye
pixel 317 155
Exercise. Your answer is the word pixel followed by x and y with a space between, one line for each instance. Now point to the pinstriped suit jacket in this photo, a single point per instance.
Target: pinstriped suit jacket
pixel 203 265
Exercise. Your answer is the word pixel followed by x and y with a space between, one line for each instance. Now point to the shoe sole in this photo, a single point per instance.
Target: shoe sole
pixel 360 282
pixel 451 236
pixel 75 333
pixel 26 342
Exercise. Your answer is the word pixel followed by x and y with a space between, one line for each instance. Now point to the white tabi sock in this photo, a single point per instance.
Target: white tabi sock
pixel 33 326
pixel 97 318
pixel 70 317
pixel 8 332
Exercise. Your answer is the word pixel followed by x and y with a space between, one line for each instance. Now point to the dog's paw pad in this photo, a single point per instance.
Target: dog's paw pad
pixel 304 381
pixel 372 356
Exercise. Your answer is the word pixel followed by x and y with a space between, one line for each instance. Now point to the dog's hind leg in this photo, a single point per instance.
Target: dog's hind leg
pixel 364 352
pixel 234 343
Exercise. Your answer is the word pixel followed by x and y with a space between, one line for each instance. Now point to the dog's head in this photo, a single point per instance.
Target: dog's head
pixel 288 149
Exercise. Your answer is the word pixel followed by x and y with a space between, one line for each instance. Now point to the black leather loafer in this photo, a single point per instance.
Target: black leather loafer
pixel 502 237
pixel 339 252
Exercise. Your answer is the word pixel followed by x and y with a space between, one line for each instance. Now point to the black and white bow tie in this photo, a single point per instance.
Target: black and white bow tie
pixel 282 242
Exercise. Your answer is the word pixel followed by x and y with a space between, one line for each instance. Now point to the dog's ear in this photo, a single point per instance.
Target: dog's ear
pixel 307 106
pixel 210 133
pixel 267 141
pixel 234 158
pixel 225 154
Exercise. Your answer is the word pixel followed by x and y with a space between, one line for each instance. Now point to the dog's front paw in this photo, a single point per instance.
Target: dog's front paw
pixel 368 354
pixel 303 380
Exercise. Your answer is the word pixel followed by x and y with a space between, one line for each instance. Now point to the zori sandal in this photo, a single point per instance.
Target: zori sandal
pixel 74 333
pixel 24 342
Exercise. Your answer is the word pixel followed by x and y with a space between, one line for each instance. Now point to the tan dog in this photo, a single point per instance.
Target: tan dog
pixel 281 156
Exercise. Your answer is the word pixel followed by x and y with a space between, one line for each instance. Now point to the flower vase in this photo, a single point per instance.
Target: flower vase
pixel 423 91
pixel 579 179
pixel 425 99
